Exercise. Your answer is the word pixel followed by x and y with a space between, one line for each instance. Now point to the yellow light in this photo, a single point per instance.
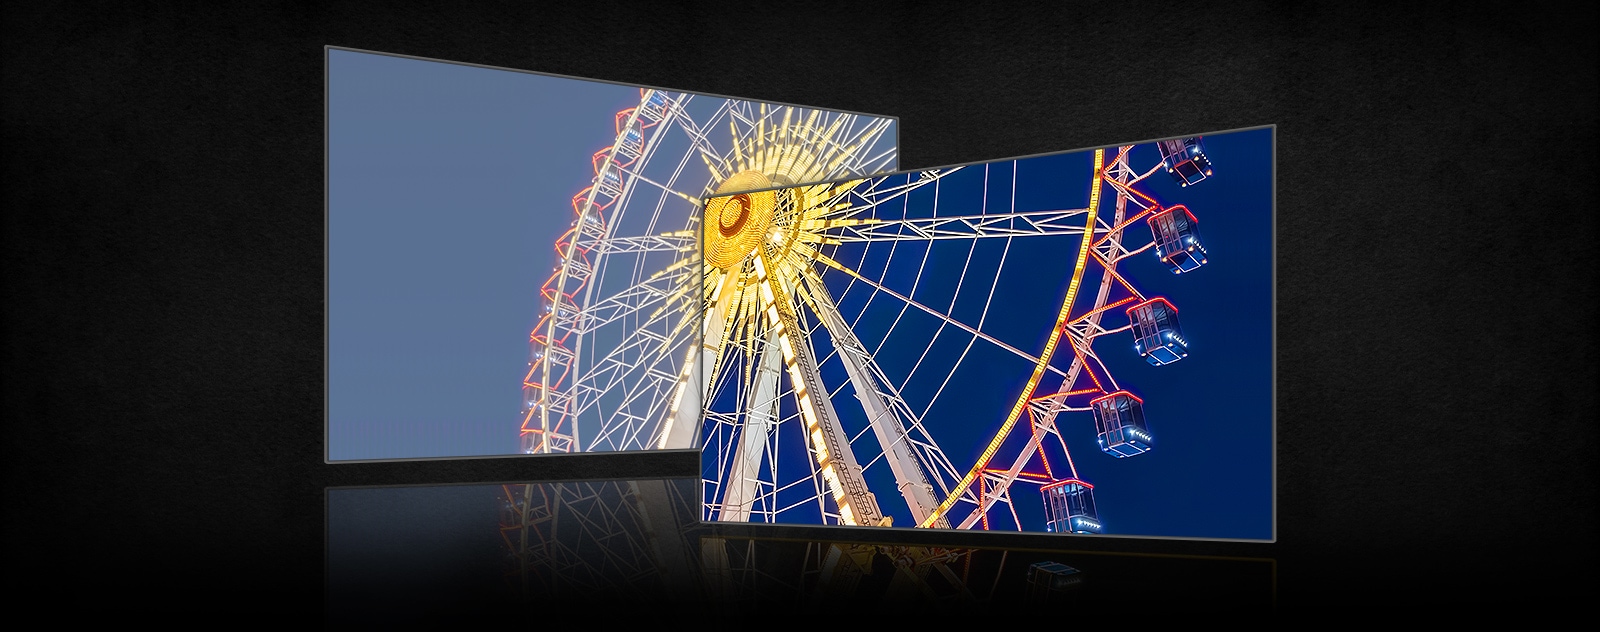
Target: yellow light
pixel 735 223
pixel 1044 358
pixel 809 412
pixel 822 447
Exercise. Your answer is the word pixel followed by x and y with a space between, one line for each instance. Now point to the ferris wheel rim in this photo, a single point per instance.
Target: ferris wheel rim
pixel 565 272
pixel 1122 185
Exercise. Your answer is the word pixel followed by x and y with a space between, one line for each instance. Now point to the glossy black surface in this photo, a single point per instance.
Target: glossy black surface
pixel 461 551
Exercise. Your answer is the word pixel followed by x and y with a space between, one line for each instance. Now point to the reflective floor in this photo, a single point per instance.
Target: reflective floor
pixel 409 554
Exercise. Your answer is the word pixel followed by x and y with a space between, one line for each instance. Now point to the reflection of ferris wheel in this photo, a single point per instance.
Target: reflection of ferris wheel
pixel 827 404
pixel 827 574
pixel 610 353
pixel 625 538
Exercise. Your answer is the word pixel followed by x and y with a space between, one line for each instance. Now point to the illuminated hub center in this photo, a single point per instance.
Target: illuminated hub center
pixel 737 224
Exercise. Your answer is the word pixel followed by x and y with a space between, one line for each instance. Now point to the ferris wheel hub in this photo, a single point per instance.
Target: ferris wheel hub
pixel 737 224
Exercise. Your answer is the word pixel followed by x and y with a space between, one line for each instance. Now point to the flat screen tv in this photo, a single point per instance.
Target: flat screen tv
pixel 1073 343
pixel 510 255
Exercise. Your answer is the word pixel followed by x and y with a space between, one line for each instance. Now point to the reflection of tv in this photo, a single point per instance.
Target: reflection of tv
pixel 510 255
pixel 392 551
pixel 997 346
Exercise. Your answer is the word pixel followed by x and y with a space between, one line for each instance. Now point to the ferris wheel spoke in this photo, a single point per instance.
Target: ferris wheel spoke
pixel 1031 224
pixel 643 332
pixel 676 241
pixel 742 487
pixel 1001 482
pixel 830 443
pixel 690 198
pixel 1050 344
pixel 874 196
pixel 695 131
pixel 879 162
pixel 744 115
pixel 625 427
pixel 849 159
pixel 651 377
pixel 633 365
pixel 631 300
pixel 688 402
pixel 824 259
pixel 886 425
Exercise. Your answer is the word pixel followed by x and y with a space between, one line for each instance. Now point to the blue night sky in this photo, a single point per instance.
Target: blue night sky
pixel 1210 471
pixel 447 187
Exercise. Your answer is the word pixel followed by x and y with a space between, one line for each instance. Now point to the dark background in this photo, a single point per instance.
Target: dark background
pixel 163 262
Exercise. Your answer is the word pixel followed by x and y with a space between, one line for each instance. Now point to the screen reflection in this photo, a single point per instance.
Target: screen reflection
pixel 412 553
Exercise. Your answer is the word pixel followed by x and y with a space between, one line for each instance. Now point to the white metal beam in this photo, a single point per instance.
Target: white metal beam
pixel 683 417
pixel 886 425
pixel 741 485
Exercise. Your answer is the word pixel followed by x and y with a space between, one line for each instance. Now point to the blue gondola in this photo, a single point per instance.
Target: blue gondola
pixel 610 182
pixel 1185 159
pixel 1069 507
pixel 1051 579
pixel 1156 334
pixel 530 396
pixel 1119 424
pixel 1177 237
pixel 632 142
pixel 655 107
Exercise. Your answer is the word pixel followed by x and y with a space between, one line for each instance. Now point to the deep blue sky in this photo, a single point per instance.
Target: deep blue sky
pixel 447 187
pixel 1210 474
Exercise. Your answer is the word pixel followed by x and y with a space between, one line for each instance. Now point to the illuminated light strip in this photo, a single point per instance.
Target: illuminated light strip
pixel 1029 475
pixel 983 494
pixel 1069 481
pixel 1044 358
pixel 718 290
pixel 1065 395
pixel 1163 299
pixel 1085 363
pixel 1118 276
pixel 825 457
pixel 1119 186
pixel 1086 317
pixel 1120 227
pixel 1042 459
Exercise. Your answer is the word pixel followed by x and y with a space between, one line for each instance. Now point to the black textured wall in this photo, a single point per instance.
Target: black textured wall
pixel 1437 161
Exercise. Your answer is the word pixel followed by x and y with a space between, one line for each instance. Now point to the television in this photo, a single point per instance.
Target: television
pixel 1077 343
pixel 510 255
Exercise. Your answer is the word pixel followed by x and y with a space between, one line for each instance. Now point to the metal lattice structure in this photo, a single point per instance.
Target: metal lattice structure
pixel 610 357
pixel 576 539
pixel 802 414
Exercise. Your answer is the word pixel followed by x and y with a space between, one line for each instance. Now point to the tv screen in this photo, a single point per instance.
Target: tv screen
pixel 1073 343
pixel 511 255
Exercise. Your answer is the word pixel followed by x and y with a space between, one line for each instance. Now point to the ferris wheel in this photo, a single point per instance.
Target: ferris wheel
pixel 911 345
pixel 609 358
